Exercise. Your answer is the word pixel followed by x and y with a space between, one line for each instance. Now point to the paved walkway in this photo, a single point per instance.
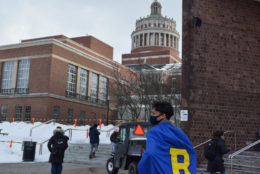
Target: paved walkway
pixel 44 168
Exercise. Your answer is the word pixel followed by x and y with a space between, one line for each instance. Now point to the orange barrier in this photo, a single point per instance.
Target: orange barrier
pixel 100 123
pixel 11 144
pixel 75 123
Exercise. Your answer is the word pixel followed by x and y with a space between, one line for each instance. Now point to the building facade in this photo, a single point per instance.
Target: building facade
pixel 57 77
pixel 155 40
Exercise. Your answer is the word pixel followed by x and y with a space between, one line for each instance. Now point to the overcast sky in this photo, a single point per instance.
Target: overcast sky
pixel 111 21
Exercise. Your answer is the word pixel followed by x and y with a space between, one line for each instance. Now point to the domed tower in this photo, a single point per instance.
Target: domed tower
pixel 155 40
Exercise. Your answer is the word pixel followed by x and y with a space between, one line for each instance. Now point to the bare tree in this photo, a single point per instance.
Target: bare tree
pixel 136 92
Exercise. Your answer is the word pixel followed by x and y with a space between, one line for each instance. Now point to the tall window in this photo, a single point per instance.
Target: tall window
pixel 83 83
pixel 56 112
pixel 94 85
pixel 3 112
pixel 23 76
pixel 18 113
pixel 7 77
pixel 72 80
pixel 82 118
pixel 103 88
pixel 70 116
pixel 27 113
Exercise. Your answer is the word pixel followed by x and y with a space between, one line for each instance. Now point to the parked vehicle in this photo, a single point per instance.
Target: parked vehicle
pixel 129 148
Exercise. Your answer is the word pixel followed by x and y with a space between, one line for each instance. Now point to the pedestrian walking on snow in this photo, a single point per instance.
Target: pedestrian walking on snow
pixel 57 145
pixel 94 140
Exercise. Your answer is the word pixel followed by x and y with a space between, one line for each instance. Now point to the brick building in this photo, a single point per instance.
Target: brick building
pixel 221 69
pixel 155 40
pixel 56 77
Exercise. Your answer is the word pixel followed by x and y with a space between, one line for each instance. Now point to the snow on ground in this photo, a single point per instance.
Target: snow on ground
pixel 20 131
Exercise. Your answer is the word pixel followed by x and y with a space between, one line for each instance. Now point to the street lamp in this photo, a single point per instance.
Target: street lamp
pixel 108 98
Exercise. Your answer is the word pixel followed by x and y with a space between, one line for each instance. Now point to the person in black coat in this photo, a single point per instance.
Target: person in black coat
pixel 114 138
pixel 57 145
pixel 94 140
pixel 217 165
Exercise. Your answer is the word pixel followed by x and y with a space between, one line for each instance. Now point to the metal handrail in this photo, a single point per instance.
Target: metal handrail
pixel 52 120
pixel 235 136
pixel 70 136
pixel 202 143
pixel 40 149
pixel 231 156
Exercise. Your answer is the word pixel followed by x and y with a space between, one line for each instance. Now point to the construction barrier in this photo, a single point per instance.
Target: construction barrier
pixel 77 121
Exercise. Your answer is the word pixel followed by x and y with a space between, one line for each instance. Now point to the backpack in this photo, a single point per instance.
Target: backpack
pixel 59 145
pixel 210 150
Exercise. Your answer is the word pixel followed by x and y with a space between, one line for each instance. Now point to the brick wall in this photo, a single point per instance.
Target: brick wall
pixel 96 45
pixel 58 77
pixel 39 75
pixel 221 69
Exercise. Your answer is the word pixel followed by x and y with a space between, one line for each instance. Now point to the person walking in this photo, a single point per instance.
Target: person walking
pixel 113 138
pixel 57 145
pixel 217 164
pixel 168 149
pixel 94 140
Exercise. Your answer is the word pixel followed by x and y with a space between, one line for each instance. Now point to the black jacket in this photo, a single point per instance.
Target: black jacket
pixel 218 163
pixel 94 135
pixel 113 137
pixel 57 158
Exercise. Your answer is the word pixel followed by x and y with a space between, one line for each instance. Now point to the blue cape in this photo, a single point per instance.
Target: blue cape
pixel 168 151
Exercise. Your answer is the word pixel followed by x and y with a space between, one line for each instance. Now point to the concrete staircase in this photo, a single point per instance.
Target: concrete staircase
pixel 79 153
pixel 244 163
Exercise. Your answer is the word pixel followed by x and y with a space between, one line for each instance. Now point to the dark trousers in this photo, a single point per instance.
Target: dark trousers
pixel 56 168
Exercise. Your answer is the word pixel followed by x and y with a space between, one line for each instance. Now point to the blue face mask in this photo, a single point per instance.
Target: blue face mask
pixel 153 120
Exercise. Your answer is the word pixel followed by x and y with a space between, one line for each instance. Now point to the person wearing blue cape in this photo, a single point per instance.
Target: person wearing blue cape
pixel 168 149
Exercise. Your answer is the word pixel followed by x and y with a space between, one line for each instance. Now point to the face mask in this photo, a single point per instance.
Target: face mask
pixel 153 119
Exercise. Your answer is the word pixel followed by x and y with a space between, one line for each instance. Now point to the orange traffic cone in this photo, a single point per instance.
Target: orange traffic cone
pixel 11 144
pixel 75 123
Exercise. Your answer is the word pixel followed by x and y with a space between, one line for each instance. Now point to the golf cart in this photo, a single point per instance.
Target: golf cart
pixel 129 148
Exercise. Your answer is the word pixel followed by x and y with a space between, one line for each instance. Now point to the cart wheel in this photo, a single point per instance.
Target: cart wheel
pixel 132 169
pixel 110 166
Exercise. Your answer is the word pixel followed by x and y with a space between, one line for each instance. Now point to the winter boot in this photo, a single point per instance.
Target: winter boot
pixel 93 155
pixel 90 156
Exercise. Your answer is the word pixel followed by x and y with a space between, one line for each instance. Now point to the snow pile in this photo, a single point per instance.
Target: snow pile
pixel 20 131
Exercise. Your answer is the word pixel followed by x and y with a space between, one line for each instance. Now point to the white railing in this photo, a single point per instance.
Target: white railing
pixel 231 156
pixel 53 120
pixel 70 136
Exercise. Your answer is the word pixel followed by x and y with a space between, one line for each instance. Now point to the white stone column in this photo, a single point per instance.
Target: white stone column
pixel 143 40
pixel 164 40
pixel 139 40
pixel 169 40
pixel 159 38
pixel 14 77
pixel 172 41
pixel 89 82
pixel 148 39
pixel 154 38
pixel 177 44
pixel 99 87
pixel 78 81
